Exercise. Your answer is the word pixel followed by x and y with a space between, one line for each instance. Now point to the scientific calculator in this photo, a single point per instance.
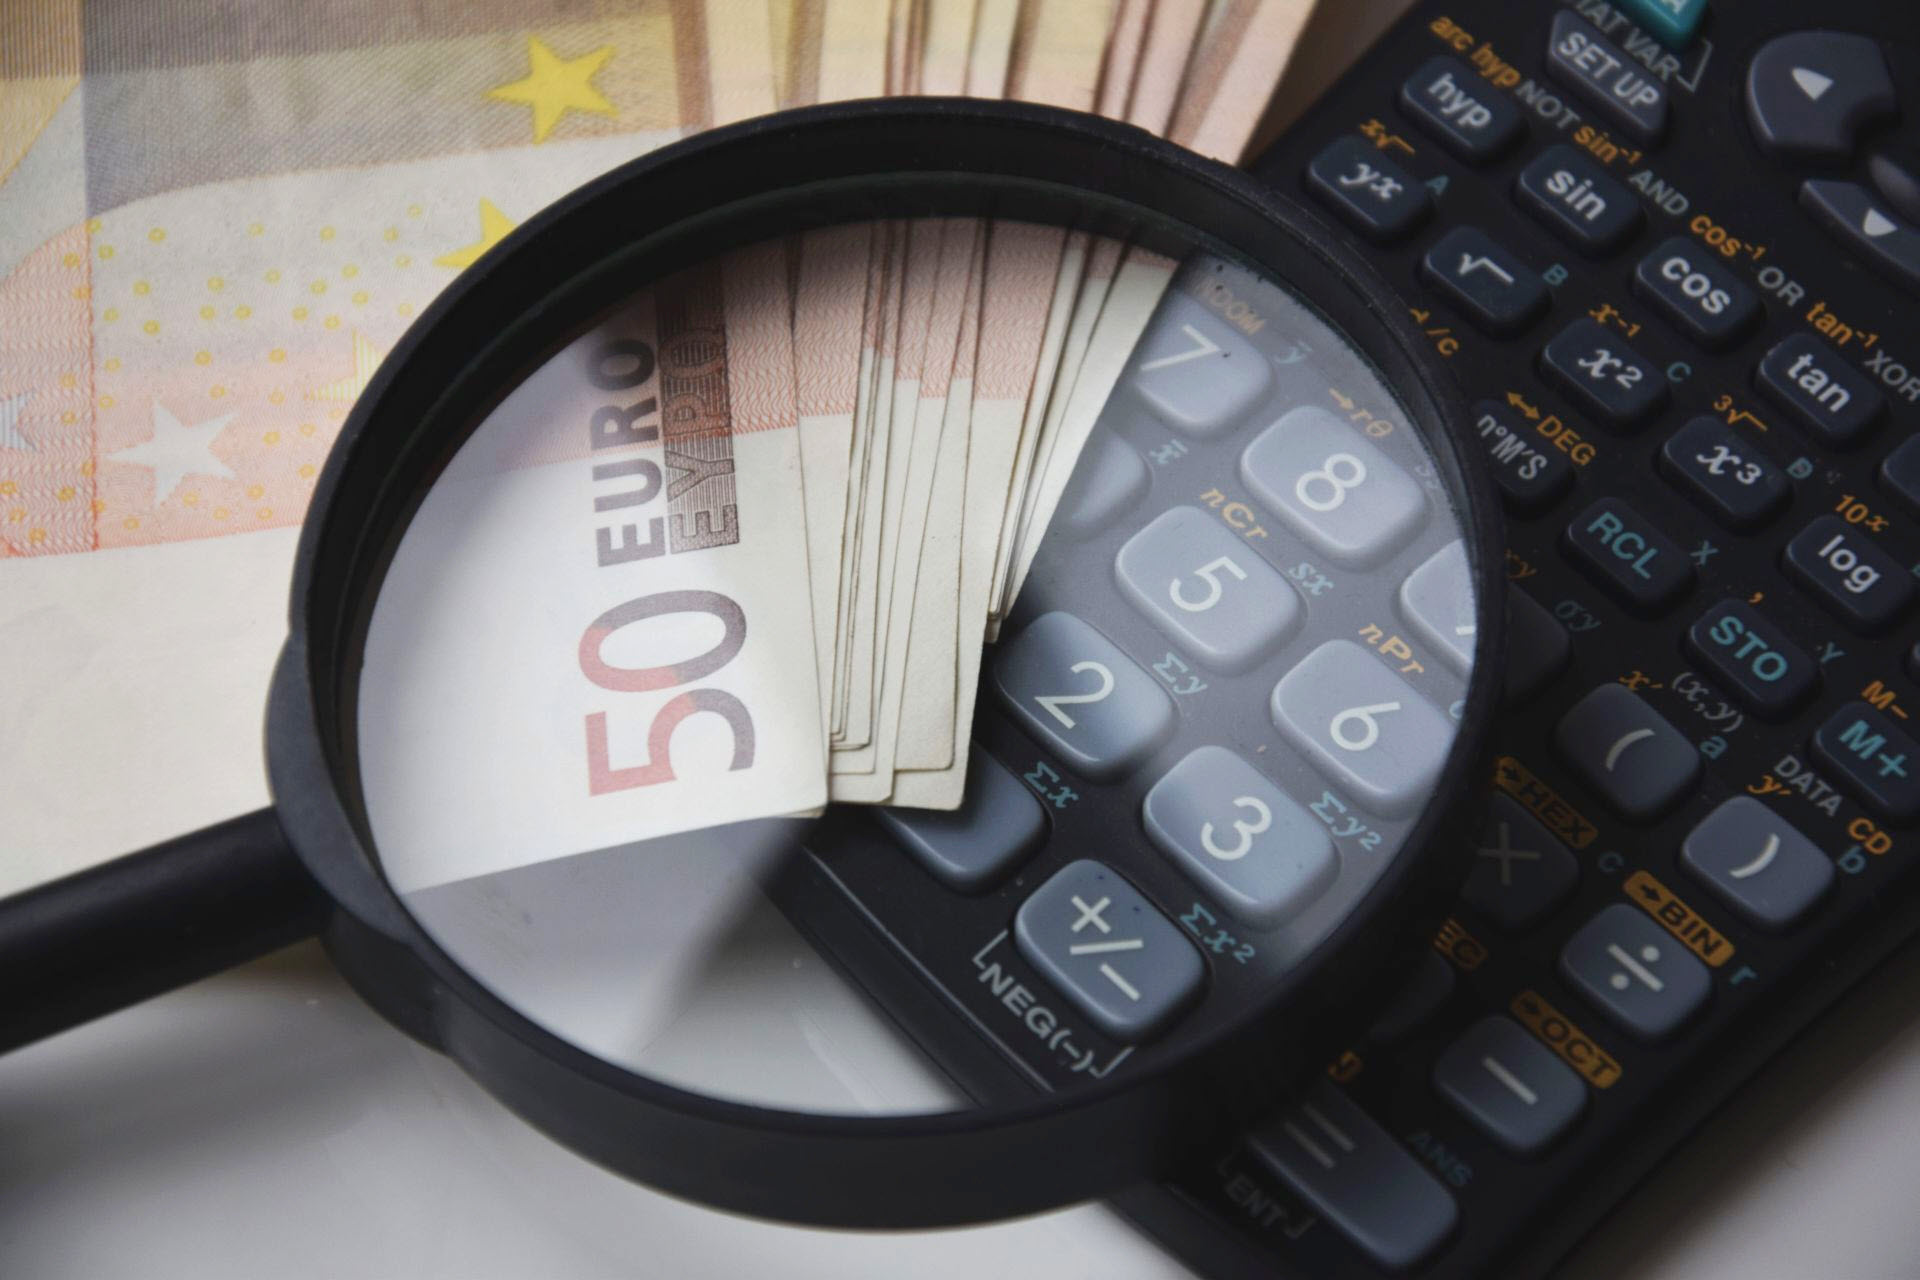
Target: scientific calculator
pixel 1672 252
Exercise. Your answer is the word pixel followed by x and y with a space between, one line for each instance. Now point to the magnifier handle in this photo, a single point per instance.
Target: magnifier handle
pixel 127 930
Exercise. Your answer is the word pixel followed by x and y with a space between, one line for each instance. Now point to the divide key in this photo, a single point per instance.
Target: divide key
pixel 1621 550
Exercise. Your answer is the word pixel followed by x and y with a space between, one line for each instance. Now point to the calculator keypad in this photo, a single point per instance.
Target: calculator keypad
pixel 1237 834
pixel 1437 600
pixel 1195 372
pixel 1182 739
pixel 1207 590
pixel 1704 783
pixel 1078 693
pixel 1332 487
pixel 996 827
pixel 1363 726
pixel 1107 949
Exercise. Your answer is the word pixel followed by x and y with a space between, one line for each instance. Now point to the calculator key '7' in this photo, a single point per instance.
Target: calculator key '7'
pixel 1195 372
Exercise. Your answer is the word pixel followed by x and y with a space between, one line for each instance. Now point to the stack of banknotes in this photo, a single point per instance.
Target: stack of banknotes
pixel 212 228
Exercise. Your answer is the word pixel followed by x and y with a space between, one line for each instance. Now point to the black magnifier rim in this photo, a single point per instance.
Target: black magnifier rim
pixel 502 318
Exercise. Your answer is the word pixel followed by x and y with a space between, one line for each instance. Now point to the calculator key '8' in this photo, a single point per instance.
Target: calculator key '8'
pixel 1333 487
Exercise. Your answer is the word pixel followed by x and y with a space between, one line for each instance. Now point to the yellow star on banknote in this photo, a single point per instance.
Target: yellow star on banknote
pixel 494 226
pixel 554 86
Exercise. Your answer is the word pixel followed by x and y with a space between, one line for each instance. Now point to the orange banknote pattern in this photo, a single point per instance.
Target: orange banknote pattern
pixel 216 221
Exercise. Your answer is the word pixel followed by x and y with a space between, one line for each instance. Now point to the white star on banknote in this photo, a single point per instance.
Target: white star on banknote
pixel 11 407
pixel 175 451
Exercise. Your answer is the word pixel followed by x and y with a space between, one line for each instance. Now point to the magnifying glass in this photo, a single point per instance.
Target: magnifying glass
pixel 1223 757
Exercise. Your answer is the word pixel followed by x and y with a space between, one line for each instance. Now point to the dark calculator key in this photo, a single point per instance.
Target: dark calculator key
pixel 1631 97
pixel 1371 193
pixel 1702 298
pixel 1628 752
pixel 1127 968
pixel 1757 863
pixel 1570 192
pixel 1513 1088
pixel 1875 760
pixel 1354 1175
pixel 1499 293
pixel 1531 472
pixel 1725 473
pixel 1520 870
pixel 1450 101
pixel 1753 659
pixel 1869 229
pixel 1635 972
pixel 1603 374
pixel 1537 646
pixel 1900 473
pixel 996 826
pixel 1895 171
pixel 1823 392
pixel 1808 94
pixel 1621 550
pixel 1856 579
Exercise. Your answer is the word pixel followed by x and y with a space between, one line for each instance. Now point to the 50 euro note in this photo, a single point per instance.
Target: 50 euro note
pixel 596 629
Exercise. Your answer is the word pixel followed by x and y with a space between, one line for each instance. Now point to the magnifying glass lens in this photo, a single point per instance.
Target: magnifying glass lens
pixel 1081 556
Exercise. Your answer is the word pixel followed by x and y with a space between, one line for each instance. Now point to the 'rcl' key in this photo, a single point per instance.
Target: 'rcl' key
pixel 1857 580
pixel 1629 557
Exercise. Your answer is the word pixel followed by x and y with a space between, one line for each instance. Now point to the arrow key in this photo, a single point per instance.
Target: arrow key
pixel 1810 93
pixel 1870 229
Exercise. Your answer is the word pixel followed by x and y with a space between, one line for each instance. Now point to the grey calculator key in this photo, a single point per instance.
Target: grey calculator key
pixel 1510 1085
pixel 998 823
pixel 1757 863
pixel 1081 697
pixel 1635 972
pixel 1196 371
pixel 1627 751
pixel 1520 871
pixel 1209 591
pixel 1109 478
pixel 1121 963
pixel 1363 726
pixel 1243 839
pixel 1438 603
pixel 1356 1177
pixel 1332 487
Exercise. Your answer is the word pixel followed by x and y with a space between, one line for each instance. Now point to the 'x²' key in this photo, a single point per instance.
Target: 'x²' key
pixel 1093 915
